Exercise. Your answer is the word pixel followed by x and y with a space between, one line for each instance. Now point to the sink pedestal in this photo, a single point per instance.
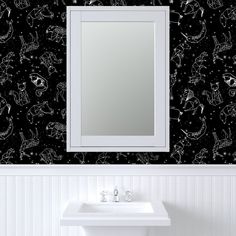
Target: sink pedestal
pixel 115 231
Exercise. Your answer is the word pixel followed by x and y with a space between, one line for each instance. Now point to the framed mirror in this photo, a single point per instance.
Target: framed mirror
pixel 117 79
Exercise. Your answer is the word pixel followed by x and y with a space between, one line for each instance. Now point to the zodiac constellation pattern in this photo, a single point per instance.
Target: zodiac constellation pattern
pixel 33 83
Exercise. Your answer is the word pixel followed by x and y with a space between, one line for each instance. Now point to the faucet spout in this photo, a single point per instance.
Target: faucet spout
pixel 116 195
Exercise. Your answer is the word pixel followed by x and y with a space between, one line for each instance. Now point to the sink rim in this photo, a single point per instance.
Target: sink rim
pixel 72 217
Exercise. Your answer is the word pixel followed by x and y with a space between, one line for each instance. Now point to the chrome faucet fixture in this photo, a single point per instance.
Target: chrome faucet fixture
pixel 103 196
pixel 128 196
pixel 116 196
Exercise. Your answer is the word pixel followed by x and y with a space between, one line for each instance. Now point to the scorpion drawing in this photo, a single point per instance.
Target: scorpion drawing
pixel 4 67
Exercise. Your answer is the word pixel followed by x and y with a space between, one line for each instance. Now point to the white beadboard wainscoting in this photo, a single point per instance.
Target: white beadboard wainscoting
pixel 200 200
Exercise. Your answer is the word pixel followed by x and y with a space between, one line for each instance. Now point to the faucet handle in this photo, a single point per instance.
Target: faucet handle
pixel 103 196
pixel 128 196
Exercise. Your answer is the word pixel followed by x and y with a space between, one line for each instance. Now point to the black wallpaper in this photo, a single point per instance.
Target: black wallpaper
pixel 33 78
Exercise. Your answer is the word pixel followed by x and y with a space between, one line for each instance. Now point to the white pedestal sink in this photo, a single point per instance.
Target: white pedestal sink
pixel 115 219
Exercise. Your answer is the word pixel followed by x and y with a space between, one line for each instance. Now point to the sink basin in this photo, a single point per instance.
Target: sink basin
pixel 115 214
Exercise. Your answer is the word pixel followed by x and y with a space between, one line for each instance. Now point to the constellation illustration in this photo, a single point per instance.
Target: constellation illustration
pixel 202 82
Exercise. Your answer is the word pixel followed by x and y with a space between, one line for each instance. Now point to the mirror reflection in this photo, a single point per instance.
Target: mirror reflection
pixel 117 78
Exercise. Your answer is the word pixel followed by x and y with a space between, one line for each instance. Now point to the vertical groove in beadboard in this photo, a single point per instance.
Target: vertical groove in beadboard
pixel 20 204
pixel 226 204
pixel 64 198
pixel 198 205
pixel 3 209
pixel 233 205
pixel 11 206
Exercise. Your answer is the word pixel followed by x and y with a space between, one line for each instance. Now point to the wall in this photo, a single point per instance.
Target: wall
pixel 200 201
pixel 33 76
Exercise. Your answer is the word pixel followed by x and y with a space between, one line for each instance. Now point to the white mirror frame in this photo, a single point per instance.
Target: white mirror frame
pixel 159 142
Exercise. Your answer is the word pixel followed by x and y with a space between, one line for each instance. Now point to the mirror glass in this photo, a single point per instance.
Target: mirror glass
pixel 117 78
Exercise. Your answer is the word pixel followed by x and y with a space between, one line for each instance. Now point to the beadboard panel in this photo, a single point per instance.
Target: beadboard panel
pixel 197 205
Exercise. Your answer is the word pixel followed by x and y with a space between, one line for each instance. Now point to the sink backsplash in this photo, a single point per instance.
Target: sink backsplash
pixel 33 84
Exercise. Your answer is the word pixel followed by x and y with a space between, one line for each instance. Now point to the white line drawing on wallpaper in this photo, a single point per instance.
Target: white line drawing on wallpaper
pixel 28 46
pixel 198 134
pixel 120 154
pixel 215 4
pixel 175 17
pixel 189 98
pixel 146 157
pixel 229 79
pixel 22 4
pixel 48 59
pixel 214 96
pixel 173 80
pixel 232 92
pixel 48 155
pixel 234 156
pixel 21 97
pixel 191 7
pixel 80 156
pixel 39 13
pixel 33 141
pixel 6 133
pixel 118 3
pixel 178 54
pixel 39 110
pixel 199 37
pixel 221 143
pixel 40 82
pixel 228 14
pixel 4 67
pixel 61 90
pixel 56 130
pixel 228 110
pixel 3 105
pixel 234 59
pixel 4 8
pixel 8 35
pixel 93 3
pixel 178 150
pixel 102 158
pixel 63 16
pixel 5 159
pixel 63 113
pixel 56 2
pixel 200 156
pixel 221 47
pixel 175 114
pixel 197 66
pixel 57 34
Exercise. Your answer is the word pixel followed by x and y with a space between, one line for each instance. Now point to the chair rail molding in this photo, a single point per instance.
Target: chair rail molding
pixel 127 170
